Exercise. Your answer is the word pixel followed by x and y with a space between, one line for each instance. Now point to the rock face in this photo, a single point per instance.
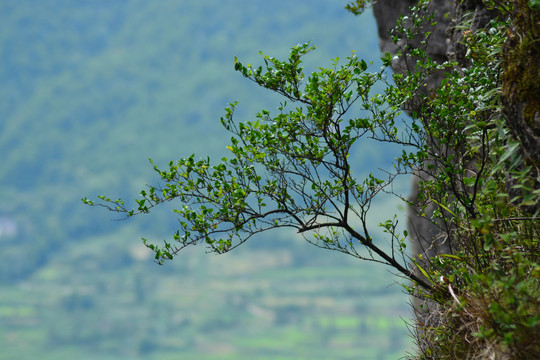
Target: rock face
pixel 427 238
pixel 520 98
pixel 444 44
pixel 387 12
pixel 521 82
pixel 513 112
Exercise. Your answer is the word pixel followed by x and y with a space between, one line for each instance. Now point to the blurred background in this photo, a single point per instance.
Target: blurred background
pixel 89 90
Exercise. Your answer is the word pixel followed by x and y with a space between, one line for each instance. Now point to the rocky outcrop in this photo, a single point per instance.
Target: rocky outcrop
pixel 521 80
pixel 519 114
pixel 521 83
pixel 387 13
pixel 427 238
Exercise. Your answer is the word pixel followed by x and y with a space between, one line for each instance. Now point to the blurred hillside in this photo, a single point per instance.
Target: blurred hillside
pixel 89 91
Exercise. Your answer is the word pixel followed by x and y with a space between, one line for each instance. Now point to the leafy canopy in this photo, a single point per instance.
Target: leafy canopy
pixel 476 189
pixel 288 170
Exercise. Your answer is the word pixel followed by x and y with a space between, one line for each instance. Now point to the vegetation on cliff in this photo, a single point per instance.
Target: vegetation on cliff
pixel 474 158
pixel 479 180
pixel 486 188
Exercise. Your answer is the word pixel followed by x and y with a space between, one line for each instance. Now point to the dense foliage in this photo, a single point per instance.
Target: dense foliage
pixel 478 185
pixel 486 195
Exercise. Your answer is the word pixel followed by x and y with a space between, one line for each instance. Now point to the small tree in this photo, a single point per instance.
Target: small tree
pixel 289 170
pixel 477 184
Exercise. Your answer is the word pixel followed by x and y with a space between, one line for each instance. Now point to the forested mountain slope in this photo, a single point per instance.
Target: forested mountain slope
pixel 92 89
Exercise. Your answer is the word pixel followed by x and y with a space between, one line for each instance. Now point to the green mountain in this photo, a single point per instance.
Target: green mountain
pixel 88 92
